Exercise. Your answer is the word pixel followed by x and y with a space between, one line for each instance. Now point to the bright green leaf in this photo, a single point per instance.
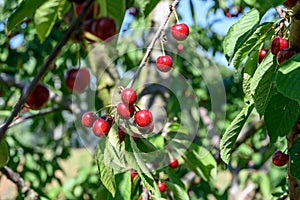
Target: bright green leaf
pixel 106 173
pixel 239 33
pixel 4 155
pixel 123 182
pixel 262 86
pixel 288 78
pixel 295 159
pixel 262 32
pixel 45 17
pixel 283 112
pixel 26 9
pixel 178 192
pixel 229 137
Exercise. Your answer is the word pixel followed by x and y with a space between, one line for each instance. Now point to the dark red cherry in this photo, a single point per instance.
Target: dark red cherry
pixel 125 111
pixel 88 119
pixel 104 28
pixel 128 96
pixel 278 44
pixel 109 119
pixel 101 127
pixel 121 133
pixel 77 80
pixel 284 55
pixel 38 97
pixel 280 159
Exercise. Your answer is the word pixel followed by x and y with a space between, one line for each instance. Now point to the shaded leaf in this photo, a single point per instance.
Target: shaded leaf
pixel 295 159
pixel 26 9
pixel 4 155
pixel 280 116
pixel 229 137
pixel 178 192
pixel 288 78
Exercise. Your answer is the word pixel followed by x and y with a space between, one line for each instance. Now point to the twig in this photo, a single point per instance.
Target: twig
pixel 41 113
pixel 152 43
pixel 45 67
pixel 27 192
pixel 281 15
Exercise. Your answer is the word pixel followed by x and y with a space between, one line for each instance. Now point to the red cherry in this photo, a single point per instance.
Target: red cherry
pixel 162 186
pixel 77 80
pixel 88 119
pixel 164 63
pixel 121 133
pixel 143 118
pixel 262 54
pixel 173 163
pixel 147 129
pixel 109 119
pixel 280 159
pixel 284 55
pixel 94 11
pixel 101 127
pixel 290 3
pixel 278 44
pixel 180 31
pixel 38 97
pixel 128 96
pixel 104 28
pixel 140 198
pixel 125 111
pixel 133 174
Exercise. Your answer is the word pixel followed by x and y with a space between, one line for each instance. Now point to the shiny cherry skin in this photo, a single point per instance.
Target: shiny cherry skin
pixel 104 28
pixel 162 186
pixel 280 159
pixel 128 96
pixel 143 118
pixel 101 128
pixel 125 111
pixel 88 119
pixel 180 31
pixel 284 55
pixel 38 98
pixel 77 80
pixel 164 63
pixel 173 163
pixel 278 44
pixel 262 54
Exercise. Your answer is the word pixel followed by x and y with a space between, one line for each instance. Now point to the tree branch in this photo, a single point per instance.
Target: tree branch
pixel 28 89
pixel 152 43
pixel 27 192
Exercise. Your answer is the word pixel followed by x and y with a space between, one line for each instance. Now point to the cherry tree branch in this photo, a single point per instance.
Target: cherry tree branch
pixel 27 192
pixel 29 88
pixel 152 43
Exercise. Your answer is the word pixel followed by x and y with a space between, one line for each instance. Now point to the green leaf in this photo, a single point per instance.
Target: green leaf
pixel 248 71
pixel 239 33
pixel 295 159
pixel 263 6
pixel 26 9
pixel 199 160
pixel 150 6
pixel 262 86
pixel 261 33
pixel 4 155
pixel 280 116
pixel 229 137
pixel 123 181
pixel 114 9
pixel 174 178
pixel 106 173
pixel 45 17
pixel 288 78
pixel 136 162
pixel 178 192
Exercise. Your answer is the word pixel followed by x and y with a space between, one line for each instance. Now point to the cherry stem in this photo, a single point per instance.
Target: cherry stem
pixel 162 47
pixel 151 45
pixel 107 106
pixel 28 89
pixel 176 16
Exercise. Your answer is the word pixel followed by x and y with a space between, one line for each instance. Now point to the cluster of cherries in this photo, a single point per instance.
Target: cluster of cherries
pixel 180 32
pixel 279 48
pixel 126 109
pixel 101 27
pixel 77 80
